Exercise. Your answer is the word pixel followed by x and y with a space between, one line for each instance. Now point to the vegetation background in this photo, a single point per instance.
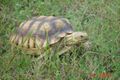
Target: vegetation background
pixel 99 18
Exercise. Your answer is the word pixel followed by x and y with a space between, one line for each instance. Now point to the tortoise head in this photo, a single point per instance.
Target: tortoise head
pixel 76 38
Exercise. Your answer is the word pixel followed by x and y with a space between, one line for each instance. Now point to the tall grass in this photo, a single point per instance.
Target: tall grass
pixel 99 18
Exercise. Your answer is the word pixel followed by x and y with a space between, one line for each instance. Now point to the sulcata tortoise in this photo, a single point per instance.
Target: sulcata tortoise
pixel 47 32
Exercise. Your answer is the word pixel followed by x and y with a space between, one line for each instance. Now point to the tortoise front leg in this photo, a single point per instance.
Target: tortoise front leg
pixel 87 45
pixel 42 54
pixel 62 51
pixel 65 49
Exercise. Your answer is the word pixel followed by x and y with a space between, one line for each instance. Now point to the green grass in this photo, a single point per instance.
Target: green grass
pixel 99 18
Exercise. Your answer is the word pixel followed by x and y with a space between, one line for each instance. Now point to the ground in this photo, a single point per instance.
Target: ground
pixel 99 18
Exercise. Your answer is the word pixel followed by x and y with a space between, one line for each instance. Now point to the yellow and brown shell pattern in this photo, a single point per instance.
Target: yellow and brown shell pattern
pixel 36 32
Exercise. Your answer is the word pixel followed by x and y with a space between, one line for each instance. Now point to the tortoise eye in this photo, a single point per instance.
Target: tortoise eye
pixel 68 33
pixel 81 36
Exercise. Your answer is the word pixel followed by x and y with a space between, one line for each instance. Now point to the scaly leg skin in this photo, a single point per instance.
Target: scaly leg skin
pixel 67 48
pixel 87 45
pixel 42 54
pixel 39 61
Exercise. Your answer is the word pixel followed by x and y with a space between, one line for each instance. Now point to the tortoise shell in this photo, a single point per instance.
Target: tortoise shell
pixel 36 32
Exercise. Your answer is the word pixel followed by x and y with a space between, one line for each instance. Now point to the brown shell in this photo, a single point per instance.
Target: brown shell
pixel 40 30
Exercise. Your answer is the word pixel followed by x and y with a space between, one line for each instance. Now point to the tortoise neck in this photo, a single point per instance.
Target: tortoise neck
pixel 70 39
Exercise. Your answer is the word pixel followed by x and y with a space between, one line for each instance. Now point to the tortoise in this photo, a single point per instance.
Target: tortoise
pixel 40 32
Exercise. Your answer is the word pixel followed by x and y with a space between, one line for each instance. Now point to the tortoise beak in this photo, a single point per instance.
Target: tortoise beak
pixel 86 39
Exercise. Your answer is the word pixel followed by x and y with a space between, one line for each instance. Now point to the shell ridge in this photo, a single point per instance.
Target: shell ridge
pixel 30 25
pixel 40 24
pixel 18 29
pixel 68 24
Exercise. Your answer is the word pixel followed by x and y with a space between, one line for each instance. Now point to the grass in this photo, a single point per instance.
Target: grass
pixel 99 18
